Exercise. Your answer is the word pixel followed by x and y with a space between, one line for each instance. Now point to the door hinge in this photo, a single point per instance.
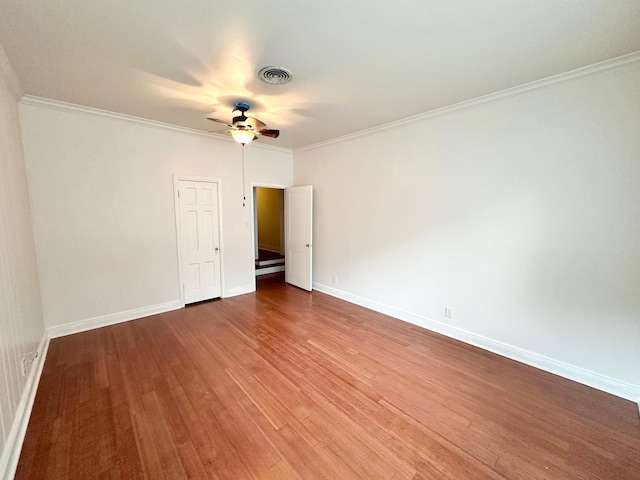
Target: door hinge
pixel 178 193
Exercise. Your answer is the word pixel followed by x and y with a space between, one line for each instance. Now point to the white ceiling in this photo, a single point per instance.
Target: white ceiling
pixel 355 64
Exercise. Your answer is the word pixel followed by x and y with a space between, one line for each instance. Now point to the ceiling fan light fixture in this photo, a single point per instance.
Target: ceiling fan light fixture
pixel 275 75
pixel 243 136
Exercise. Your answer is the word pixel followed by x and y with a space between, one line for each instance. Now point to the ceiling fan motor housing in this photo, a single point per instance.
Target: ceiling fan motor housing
pixel 239 121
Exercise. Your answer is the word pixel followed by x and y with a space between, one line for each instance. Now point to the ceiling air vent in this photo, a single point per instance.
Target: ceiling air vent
pixel 275 75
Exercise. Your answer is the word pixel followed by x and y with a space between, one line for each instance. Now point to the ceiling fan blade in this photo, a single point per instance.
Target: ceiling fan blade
pixel 254 123
pixel 244 123
pixel 219 121
pixel 269 133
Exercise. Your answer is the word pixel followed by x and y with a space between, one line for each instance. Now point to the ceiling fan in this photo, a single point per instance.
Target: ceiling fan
pixel 243 128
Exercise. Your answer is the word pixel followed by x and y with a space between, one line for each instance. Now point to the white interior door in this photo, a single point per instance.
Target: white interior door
pixel 298 223
pixel 200 240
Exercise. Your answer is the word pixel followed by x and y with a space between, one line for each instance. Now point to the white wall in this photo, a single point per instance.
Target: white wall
pixel 103 207
pixel 522 214
pixel 21 326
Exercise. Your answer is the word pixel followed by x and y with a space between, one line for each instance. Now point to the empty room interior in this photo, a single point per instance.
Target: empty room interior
pixel 337 240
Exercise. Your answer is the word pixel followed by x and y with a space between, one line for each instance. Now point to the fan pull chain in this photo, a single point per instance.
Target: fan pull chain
pixel 244 195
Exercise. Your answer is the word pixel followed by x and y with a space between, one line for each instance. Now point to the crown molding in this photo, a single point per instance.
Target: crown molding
pixel 41 102
pixel 613 64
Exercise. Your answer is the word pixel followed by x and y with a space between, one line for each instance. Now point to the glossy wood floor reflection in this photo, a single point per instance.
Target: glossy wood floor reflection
pixel 287 384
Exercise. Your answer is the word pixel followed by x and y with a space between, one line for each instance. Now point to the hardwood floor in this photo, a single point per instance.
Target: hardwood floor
pixel 287 384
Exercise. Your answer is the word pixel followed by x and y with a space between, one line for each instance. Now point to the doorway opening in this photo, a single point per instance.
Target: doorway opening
pixel 268 234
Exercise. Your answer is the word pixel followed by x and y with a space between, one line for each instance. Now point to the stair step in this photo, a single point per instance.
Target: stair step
pixel 269 269
pixel 266 263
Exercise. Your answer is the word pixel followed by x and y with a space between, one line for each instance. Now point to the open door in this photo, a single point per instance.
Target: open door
pixel 298 208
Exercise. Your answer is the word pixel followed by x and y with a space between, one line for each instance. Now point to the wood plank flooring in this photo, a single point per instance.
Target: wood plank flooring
pixel 289 384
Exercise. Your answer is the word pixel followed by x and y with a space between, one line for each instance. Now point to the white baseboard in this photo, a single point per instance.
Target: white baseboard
pixel 586 377
pixel 268 270
pixel 266 263
pixel 232 292
pixel 15 439
pixel 111 319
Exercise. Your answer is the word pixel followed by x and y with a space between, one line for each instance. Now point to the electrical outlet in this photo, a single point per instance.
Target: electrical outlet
pixel 334 279
pixel 448 312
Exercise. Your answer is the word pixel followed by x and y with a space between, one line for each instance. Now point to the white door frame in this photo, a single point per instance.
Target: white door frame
pixel 194 178
pixel 252 203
